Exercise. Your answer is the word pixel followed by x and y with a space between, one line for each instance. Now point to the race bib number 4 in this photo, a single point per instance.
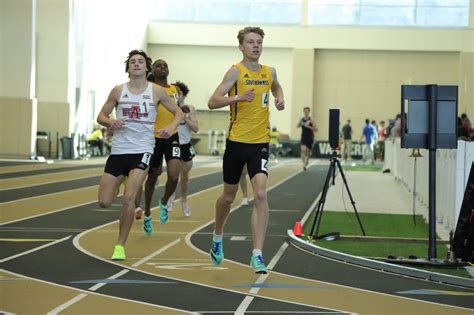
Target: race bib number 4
pixel 264 165
pixel 265 99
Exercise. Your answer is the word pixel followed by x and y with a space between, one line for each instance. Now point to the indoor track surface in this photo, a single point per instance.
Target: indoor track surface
pixel 56 245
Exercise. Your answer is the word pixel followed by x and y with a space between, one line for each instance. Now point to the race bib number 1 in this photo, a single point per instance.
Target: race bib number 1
pixel 146 158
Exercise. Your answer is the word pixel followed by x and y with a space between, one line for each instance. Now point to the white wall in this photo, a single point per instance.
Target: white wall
pixel 16 49
pixel 366 84
pixel 52 50
pixel 377 60
pixel 18 106
pixel 367 38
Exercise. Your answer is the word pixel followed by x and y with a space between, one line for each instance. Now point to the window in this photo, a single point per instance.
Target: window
pixel 420 13
pixel 228 11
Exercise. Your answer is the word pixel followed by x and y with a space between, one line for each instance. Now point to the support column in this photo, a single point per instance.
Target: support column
pixel 18 105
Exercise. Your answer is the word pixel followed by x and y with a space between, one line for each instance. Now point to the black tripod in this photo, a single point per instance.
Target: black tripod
pixel 322 200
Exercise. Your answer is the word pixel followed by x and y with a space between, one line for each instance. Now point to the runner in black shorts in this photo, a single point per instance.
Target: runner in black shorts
pixel 308 127
pixel 135 105
pixel 246 88
pixel 187 152
pixel 122 164
pixel 169 148
pixel 187 126
pixel 238 154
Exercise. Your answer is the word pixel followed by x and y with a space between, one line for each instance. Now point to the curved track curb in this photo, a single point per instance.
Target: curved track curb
pixel 383 266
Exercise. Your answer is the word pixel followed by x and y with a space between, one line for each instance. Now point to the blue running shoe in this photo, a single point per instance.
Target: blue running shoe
pixel 147 225
pixel 258 264
pixel 217 252
pixel 163 214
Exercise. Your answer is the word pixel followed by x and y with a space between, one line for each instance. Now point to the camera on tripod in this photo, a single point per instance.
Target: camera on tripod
pixel 334 129
pixel 334 162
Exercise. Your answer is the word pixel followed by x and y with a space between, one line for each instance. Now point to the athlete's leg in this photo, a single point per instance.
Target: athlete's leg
pixel 108 189
pixel 223 205
pixel 309 151
pixel 184 180
pixel 136 177
pixel 304 155
pixel 243 187
pixel 172 168
pixel 150 185
pixel 260 212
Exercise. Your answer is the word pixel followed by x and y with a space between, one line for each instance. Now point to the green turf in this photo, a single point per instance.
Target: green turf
pixel 380 225
pixel 362 168
pixel 393 225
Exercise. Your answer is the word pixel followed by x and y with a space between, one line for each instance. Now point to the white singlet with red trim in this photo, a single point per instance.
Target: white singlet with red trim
pixel 138 112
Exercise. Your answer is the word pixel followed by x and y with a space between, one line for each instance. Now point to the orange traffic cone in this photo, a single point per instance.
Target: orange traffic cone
pixel 297 230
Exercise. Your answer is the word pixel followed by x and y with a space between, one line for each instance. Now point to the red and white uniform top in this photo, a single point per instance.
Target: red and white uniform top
pixel 138 112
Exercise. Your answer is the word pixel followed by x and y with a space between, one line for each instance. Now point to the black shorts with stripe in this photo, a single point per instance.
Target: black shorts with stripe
pixel 122 164
pixel 237 154
pixel 187 152
pixel 169 148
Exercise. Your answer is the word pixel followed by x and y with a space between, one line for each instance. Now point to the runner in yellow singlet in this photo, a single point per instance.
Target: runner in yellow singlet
pixel 169 148
pixel 246 88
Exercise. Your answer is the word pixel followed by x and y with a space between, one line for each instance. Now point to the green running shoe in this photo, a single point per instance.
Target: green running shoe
pixel 119 253
pixel 217 252
pixel 163 214
pixel 147 225
pixel 258 264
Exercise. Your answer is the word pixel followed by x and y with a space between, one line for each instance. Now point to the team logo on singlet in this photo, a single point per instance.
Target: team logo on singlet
pixel 136 111
pixel 257 82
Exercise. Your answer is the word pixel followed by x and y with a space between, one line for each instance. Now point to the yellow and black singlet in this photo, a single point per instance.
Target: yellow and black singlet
pixel 249 121
pixel 163 116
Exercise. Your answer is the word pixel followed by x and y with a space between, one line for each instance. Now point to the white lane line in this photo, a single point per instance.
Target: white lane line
pixel 161 250
pixel 34 249
pixel 76 205
pixel 238 238
pixel 159 308
pixel 64 306
pixel 48 195
pixel 45 213
pixel 277 256
pixel 77 238
pixel 244 305
pixel 242 309
pixel 273 312
pixel 115 276
pixel 50 182
pixel 39 229
pixel 284 210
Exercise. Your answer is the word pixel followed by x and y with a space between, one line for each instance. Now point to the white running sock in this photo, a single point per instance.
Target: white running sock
pixel 257 252
pixel 217 238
